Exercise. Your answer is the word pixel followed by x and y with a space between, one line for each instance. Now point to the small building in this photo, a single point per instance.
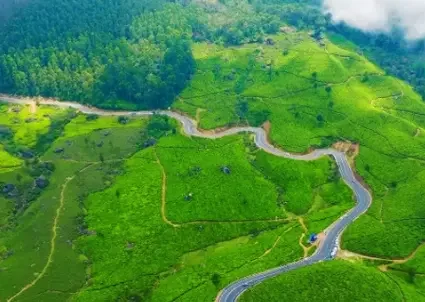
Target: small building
pixel 312 238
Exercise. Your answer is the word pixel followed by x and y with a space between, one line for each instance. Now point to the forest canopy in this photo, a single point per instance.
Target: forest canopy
pixel 86 52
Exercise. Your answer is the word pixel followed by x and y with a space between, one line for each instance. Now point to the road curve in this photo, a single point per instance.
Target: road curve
pixel 327 247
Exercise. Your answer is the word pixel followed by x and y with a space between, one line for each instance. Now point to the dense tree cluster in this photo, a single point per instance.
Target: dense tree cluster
pixel 88 52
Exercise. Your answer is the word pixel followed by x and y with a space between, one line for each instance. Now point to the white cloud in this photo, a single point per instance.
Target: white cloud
pixel 380 15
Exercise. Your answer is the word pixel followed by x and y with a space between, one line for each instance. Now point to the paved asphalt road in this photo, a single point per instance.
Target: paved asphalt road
pixel 328 246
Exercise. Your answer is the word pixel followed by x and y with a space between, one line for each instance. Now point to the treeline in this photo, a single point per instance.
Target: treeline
pixel 137 54
pixel 88 52
pixel 117 53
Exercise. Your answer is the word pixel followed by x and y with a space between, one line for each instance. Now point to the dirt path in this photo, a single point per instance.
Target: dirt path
pixel 272 248
pixel 305 249
pixel 93 162
pixel 300 241
pixel 327 248
pixel 347 255
pixel 268 251
pixel 418 132
pixel 198 114
pixel 53 239
pixel 164 194
pixel 33 107
pixel 197 222
pixel 381 208
pixel 301 221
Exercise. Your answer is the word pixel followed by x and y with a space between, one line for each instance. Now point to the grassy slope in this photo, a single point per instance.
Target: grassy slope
pixel 381 113
pixel 209 237
pixel 130 250
pixel 26 238
pixel 135 253
pixel 336 281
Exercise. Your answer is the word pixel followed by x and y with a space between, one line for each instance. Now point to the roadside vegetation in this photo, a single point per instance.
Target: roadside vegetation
pixel 341 280
pixel 314 96
pixel 97 208
pixel 131 208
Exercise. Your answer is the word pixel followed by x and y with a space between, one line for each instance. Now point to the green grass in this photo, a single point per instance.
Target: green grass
pixel 118 238
pixel 384 115
pixel 227 229
pixel 30 239
pixel 328 281
pixel 417 262
pixel 82 124
pixel 193 166
pixel 106 144
pixel 304 188
pixel 26 124
pixel 8 161
pixel 134 219
pixel 25 237
pixel 113 239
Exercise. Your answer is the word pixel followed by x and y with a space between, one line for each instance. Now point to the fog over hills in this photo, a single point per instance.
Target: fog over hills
pixel 380 15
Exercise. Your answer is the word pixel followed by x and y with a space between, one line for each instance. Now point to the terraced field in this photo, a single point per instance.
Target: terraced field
pixel 285 84
pixel 138 205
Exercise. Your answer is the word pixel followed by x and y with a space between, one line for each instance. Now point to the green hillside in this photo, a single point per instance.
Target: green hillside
pixel 106 208
pixel 338 280
pixel 124 219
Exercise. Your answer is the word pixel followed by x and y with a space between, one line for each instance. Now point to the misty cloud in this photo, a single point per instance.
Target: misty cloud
pixel 380 15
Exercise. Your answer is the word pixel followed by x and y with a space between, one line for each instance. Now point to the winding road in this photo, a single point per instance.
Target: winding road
pixel 328 246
